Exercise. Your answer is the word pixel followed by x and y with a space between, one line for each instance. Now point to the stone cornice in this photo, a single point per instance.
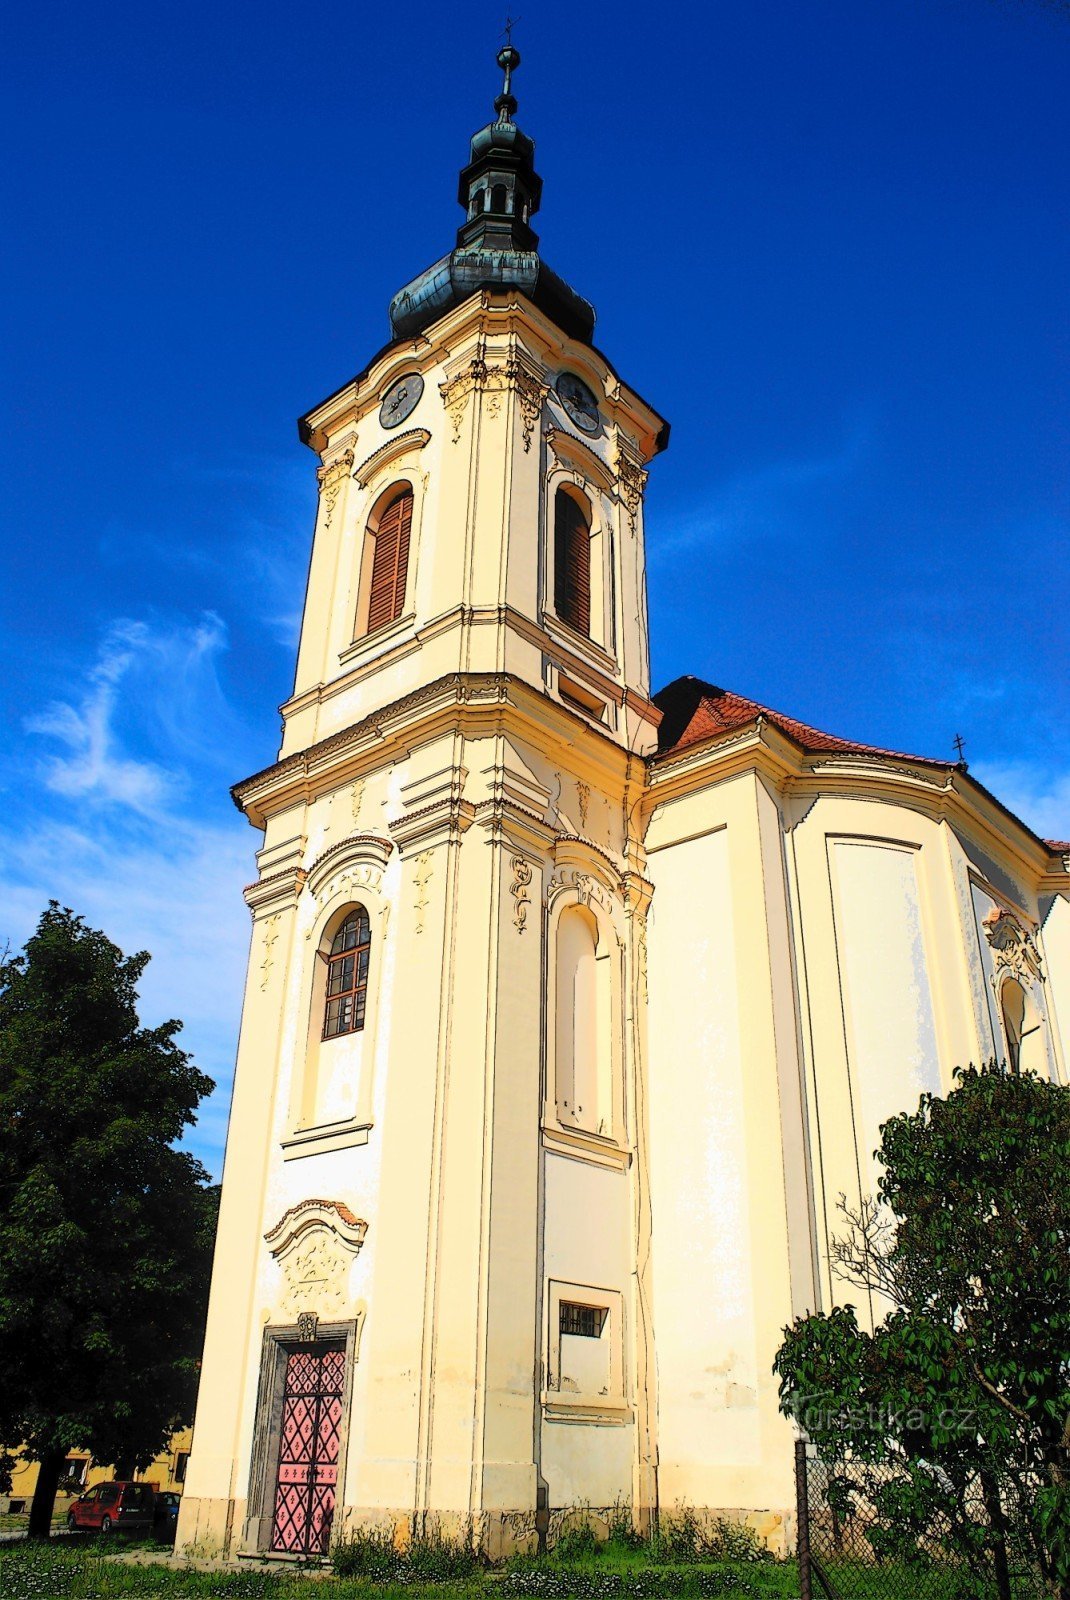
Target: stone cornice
pixel 590 667
pixel 275 892
pixel 512 326
pixel 475 703
pixel 944 793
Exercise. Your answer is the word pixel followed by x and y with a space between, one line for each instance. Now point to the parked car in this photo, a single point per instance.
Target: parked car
pixel 130 1507
pixel 166 1519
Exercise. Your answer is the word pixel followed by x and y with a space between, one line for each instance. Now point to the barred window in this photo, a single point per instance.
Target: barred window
pixel 584 1321
pixel 347 975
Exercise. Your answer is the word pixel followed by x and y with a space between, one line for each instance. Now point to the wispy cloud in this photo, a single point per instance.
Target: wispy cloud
pixel 93 765
pixel 145 848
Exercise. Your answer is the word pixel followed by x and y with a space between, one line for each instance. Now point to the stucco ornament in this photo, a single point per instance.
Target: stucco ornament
pixel 456 390
pixel 586 888
pixel 425 867
pixel 348 867
pixel 1014 950
pixel 331 479
pixel 631 481
pixel 522 875
pixel 271 933
pixel 315 1244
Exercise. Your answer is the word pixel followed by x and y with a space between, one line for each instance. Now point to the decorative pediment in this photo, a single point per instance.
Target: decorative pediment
pixel 354 863
pixel 1014 950
pixel 315 1244
pixel 575 456
pixel 412 440
pixel 583 868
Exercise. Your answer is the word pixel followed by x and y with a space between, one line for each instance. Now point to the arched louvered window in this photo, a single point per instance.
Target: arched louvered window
pixel 499 198
pixel 572 563
pixel 347 975
pixel 386 599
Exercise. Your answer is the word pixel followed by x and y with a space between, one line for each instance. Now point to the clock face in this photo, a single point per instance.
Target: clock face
pixel 578 401
pixel 400 399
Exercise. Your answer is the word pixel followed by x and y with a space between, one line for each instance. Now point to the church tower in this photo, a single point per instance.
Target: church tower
pixel 430 1289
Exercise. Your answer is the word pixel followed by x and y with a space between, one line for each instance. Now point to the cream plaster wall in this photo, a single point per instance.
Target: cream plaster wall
pixel 588 1244
pixel 719 1195
pixel 795 947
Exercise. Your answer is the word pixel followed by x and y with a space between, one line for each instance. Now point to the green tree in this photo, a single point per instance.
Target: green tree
pixel 965 1383
pixel 105 1227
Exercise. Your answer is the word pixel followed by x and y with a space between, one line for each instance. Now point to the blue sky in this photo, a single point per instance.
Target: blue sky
pixel 829 241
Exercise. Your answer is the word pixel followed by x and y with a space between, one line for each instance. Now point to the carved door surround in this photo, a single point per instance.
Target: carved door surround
pixel 316 1243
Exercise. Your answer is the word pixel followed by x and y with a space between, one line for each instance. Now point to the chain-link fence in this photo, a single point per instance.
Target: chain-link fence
pixel 908 1530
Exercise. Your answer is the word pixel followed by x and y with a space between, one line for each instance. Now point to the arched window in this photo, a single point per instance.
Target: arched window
pixel 390 563
pixel 572 562
pixel 1021 1025
pixel 583 982
pixel 499 198
pixel 347 975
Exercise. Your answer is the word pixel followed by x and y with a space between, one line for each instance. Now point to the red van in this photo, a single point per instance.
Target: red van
pixel 127 1506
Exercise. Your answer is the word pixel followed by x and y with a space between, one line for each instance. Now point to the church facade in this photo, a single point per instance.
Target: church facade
pixel 571 1010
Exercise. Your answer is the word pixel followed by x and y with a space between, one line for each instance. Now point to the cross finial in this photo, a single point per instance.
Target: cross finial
pixel 507 31
pixel 960 745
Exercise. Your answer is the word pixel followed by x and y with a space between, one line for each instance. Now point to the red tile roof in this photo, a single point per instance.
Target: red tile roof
pixel 694 711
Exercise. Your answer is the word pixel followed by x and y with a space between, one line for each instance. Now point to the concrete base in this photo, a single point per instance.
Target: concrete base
pixel 213 1529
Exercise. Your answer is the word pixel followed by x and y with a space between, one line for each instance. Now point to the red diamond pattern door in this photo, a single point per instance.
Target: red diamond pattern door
pixel 308 1450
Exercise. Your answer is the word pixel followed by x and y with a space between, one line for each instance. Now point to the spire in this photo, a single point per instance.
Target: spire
pixel 508 60
pixel 499 188
pixel 496 245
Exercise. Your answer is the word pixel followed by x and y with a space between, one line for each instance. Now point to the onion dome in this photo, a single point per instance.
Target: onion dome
pixel 496 247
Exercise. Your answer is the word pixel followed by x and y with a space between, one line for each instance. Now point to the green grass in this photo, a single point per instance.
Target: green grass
pixel 60 1571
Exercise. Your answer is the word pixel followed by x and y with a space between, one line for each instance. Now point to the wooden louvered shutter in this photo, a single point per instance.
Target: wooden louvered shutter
pixel 391 563
pixel 572 564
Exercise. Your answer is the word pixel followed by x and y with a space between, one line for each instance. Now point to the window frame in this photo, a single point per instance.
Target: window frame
pixel 612 1408
pixel 357 989
pixel 568 540
pixel 368 622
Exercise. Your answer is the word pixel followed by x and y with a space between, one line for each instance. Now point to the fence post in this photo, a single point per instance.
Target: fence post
pixel 802 1520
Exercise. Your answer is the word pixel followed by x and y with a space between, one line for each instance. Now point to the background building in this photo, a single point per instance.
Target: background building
pixel 166 1472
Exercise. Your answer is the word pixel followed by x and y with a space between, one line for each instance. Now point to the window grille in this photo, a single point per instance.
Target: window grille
pixel 586 1322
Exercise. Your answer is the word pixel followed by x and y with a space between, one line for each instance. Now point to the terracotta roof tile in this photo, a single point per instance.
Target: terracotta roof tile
pixel 694 711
